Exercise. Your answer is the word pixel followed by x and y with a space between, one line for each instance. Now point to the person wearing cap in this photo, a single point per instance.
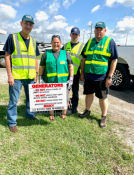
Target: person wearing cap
pixel 74 47
pixel 21 64
pixel 56 66
pixel 98 65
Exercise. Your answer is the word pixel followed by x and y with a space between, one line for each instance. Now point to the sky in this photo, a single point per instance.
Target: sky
pixel 59 16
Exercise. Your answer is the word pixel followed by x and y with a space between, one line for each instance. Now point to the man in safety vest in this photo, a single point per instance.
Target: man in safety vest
pixel 21 64
pixel 98 65
pixel 74 47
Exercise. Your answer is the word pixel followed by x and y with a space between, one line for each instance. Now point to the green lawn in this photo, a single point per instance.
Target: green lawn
pixel 71 147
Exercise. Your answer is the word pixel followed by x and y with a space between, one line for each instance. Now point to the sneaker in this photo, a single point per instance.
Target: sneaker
pixel 74 110
pixel 85 114
pixel 103 123
pixel 34 118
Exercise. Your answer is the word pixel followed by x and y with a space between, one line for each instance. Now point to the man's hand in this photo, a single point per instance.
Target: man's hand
pixel 35 80
pixel 82 77
pixel 10 80
pixel 8 67
pixel 108 82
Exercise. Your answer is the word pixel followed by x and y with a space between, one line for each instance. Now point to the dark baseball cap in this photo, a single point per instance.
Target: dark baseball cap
pixel 28 18
pixel 75 30
pixel 100 24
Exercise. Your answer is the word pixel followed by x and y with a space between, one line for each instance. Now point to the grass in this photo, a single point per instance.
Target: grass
pixel 39 57
pixel 71 147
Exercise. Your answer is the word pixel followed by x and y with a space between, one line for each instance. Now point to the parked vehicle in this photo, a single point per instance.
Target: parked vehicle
pixel 2 53
pixel 43 46
pixel 125 68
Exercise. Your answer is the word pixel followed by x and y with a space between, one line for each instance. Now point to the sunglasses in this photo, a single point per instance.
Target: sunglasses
pixel 56 36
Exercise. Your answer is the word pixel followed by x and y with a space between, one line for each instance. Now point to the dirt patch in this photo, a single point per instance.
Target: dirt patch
pixel 121 109
pixel 3 76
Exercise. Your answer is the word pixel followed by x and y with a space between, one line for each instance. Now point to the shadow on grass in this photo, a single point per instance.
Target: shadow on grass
pixel 21 120
pixel 91 118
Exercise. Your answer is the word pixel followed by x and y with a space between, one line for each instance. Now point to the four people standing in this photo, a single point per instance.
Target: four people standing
pixel 60 66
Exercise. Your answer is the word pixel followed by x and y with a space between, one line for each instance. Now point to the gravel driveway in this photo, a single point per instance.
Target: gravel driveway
pixel 121 112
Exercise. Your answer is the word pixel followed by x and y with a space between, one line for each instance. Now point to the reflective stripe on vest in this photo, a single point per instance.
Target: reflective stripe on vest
pixel 65 45
pixel 76 58
pixel 96 62
pixel 58 75
pixel 17 45
pixel 23 56
pixel 96 51
pixel 23 67
pixel 23 60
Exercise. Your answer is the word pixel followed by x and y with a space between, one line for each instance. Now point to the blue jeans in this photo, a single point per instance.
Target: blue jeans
pixel 14 93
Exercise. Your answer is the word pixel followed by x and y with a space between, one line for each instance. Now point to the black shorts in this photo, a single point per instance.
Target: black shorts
pixel 97 87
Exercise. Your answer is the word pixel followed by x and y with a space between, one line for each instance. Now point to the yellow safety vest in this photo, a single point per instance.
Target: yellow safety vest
pixel 75 54
pixel 23 60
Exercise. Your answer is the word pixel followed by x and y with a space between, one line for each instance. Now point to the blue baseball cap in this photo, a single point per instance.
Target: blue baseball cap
pixel 28 18
pixel 75 30
pixel 100 24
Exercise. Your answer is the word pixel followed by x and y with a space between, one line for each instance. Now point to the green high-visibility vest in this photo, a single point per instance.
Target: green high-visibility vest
pixel 23 60
pixel 57 70
pixel 75 54
pixel 97 56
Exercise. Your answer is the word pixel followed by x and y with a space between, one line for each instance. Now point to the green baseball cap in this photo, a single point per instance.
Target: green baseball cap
pixel 100 24
pixel 28 18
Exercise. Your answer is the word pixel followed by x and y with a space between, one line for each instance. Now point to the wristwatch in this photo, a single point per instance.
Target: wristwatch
pixel 37 73
pixel 109 77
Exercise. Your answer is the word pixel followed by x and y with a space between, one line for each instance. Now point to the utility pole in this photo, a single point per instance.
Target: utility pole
pixel 43 36
pixel 126 39
pixel 87 35
pixel 83 35
pixel 91 31
pixel 34 34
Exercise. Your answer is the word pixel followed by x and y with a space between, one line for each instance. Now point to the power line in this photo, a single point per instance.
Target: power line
pixel 118 17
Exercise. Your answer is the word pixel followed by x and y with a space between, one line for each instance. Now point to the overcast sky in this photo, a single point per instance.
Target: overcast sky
pixel 59 16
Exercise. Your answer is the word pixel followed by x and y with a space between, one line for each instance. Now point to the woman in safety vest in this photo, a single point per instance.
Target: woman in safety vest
pixel 56 66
